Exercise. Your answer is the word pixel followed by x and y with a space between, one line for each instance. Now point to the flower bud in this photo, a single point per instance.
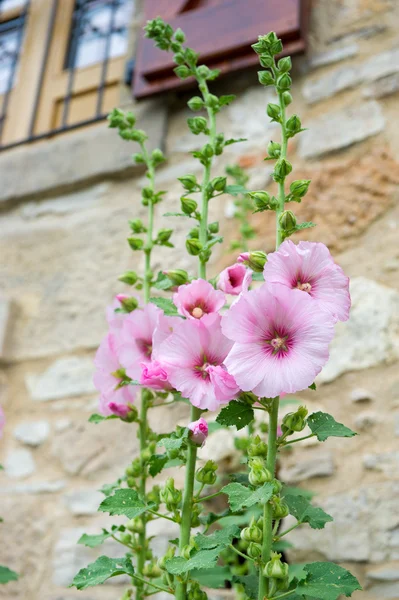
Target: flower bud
pixel 277 486
pixel 195 515
pixel 252 533
pixel 266 61
pixel 275 569
pixel 169 495
pixel 287 98
pixel 128 304
pixel 136 225
pixel 282 168
pixel 193 246
pixel 179 36
pixel 182 71
pixel 157 156
pixel 189 182
pixel 164 235
pixel 186 551
pixel 197 125
pixel 188 205
pixel 203 71
pixel 193 233
pixel 153 495
pixel 196 103
pixel 262 200
pixel 280 508
pixel 195 592
pixel 138 158
pixel 255 260
pixel 284 64
pixel 284 82
pixel 287 220
pixel 265 78
pixel 177 276
pixel 126 538
pixel 152 570
pixel 207 473
pixel 273 110
pixel 135 243
pixel 127 595
pixel 129 277
pixel 300 187
pixel 207 151
pixel 254 550
pixel 198 431
pixel 167 556
pixel 135 525
pixel 293 125
pixel 274 149
pixel 257 447
pixel 218 184
pixel 258 473
pixel 295 421
pixel 213 227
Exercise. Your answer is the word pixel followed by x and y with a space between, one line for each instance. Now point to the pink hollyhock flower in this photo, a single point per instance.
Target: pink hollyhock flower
pixel 281 340
pixel 235 279
pixel 309 267
pixel 198 298
pixel 198 431
pixel 2 421
pixel 243 257
pixel 154 376
pixel 193 356
pixel 108 376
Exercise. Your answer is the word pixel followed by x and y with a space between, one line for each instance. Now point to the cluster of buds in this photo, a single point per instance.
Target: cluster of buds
pixel 277 573
pixel 257 447
pixel 170 496
pixel 280 508
pixel 258 473
pixel 207 473
pixel 294 422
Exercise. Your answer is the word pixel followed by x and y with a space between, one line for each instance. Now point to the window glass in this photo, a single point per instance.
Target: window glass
pixel 9 4
pixel 93 24
pixel 9 49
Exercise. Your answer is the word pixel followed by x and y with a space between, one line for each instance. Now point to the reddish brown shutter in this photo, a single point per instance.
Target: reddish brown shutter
pixel 222 31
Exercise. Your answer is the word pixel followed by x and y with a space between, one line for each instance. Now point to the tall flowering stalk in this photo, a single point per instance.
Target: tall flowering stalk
pixel 271 341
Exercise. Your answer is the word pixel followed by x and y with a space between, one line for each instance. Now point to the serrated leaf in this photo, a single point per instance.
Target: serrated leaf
pixel 250 583
pixel 324 426
pixel 236 413
pixel 7 575
pixel 166 305
pixel 304 512
pixel 204 559
pixel 162 282
pixel 124 502
pixel 102 569
pixel 100 418
pixel 327 581
pixel 157 463
pixel 219 538
pixel 241 496
pixel 174 443
pixel 227 99
pixel 92 541
pixel 234 141
pixel 214 578
pixel 290 490
pixel 235 189
pixel 313 386
pixel 305 225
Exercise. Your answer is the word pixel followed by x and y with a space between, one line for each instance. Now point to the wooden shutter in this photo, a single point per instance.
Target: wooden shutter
pixel 222 31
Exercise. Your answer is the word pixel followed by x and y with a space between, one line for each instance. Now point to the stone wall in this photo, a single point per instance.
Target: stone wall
pixel 63 210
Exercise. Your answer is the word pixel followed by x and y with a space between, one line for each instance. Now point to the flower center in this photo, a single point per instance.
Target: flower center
pixel 304 287
pixel 145 347
pixel 197 312
pixel 278 343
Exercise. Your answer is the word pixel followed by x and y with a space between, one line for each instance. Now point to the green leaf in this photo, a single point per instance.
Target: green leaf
pixel 108 488
pixel 100 418
pixel 157 463
pixel 327 581
pixel 173 442
pixel 7 575
pixel 214 578
pixel 162 282
pixel 124 502
pixel 204 559
pixel 305 225
pixel 102 569
pixel 250 583
pixel 241 496
pixel 257 276
pixel 224 100
pixel 235 189
pixel 218 539
pixel 175 214
pixel 324 426
pixel 313 386
pixel 304 512
pixel 281 546
pixel 166 305
pixel 290 490
pixel 92 541
pixel 236 413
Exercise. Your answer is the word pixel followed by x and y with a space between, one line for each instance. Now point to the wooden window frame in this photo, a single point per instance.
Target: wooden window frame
pixel 231 27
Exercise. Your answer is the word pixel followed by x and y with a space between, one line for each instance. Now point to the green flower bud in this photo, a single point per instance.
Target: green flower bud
pixel 266 61
pixel 275 569
pixel 277 486
pixel 273 111
pixel 179 36
pixel 287 220
pixel 193 246
pixel 287 98
pixel 169 495
pixel 293 125
pixel 218 184
pixel 129 277
pixel 186 551
pixel 189 182
pixel 196 103
pixel 188 205
pixel 300 187
pixel 136 225
pixel 262 200
pixel 254 550
pixel 164 235
pixel 280 508
pixel 265 78
pixel 253 533
pixel 116 117
pixel 131 482
pixel 157 156
pixel 207 151
pixel 257 260
pixel 274 149
pixel 212 101
pixel 284 64
pixel 295 421
pixel 153 495
pixel 191 57
pixel 195 515
pixel 151 570
pixel 213 227
pixel 193 233
pixel 167 556
pixel 138 135
pixel 257 447
pixel 203 71
pixel 138 158
pixel 182 71
pixel 258 473
pixel 126 538
pixel 175 46
pixel 135 525
pixel 207 473
pixel 177 276
pixel 197 125
pixel 284 82
pixel 127 595
pixel 195 592
pixel 282 168
pixel 179 58
pixel 129 304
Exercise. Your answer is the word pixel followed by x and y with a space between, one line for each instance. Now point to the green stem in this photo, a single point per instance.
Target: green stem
pixel 280 535
pixel 160 515
pixel 204 498
pixel 154 585
pixel 283 154
pixel 306 437
pixel 283 595
pixel 185 525
pixel 268 509
pixel 240 553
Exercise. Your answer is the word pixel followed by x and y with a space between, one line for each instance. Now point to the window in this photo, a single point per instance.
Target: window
pixel 72 56
pixel 231 26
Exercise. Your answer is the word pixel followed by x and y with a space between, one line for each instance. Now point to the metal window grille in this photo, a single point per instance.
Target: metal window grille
pixel 98 33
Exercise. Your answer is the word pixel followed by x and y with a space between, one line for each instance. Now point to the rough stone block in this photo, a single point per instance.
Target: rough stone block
pixel 65 378
pixel 32 433
pixel 5 323
pixel 19 463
